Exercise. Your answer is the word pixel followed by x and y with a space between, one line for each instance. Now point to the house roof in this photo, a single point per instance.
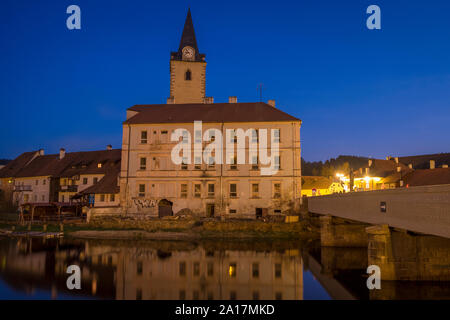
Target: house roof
pixel 107 185
pixel 423 161
pixel 31 164
pixel 315 182
pixel 214 112
pixel 14 166
pixel 382 168
pixel 427 177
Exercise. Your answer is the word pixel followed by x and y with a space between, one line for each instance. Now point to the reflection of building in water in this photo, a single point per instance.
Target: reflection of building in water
pixel 210 275
pixel 123 272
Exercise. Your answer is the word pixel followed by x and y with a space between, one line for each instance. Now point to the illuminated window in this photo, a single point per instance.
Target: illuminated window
pixel 255 190
pixel 99 165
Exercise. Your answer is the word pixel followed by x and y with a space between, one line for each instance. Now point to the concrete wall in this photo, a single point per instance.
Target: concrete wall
pixel 424 209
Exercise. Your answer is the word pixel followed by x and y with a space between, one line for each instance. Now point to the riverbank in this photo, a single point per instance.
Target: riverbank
pixel 171 229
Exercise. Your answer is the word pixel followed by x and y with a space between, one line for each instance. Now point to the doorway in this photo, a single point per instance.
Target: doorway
pixel 210 208
pixel 259 213
pixel 165 208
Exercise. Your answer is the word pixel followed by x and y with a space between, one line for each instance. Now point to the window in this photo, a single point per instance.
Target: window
pixel 278 270
pixel 232 270
pixel 233 136
pixel 255 190
pixel 102 198
pixel 277 190
pixel 26 197
pixel 255 163
pixel 211 162
pixel 188 75
pixel 37 182
pixel 276 135
pixel 212 135
pixel 184 164
pixel 233 190
pixel 44 182
pixel 35 198
pixel 198 136
pixel 99 165
pixel 277 211
pixel 233 165
pixel 43 198
pixel 112 198
pixel 183 190
pixel 182 269
pixel 254 136
pixel 198 163
pixel 142 190
pixel 196 269
pixel 95 180
pixel 139 268
pixel 185 136
pixel 211 190
pixel 210 269
pixel 255 270
pixel 232 211
pixel 277 162
pixel 85 180
pixel 197 190
pixel 143 137
pixel 143 163
pixel 62 198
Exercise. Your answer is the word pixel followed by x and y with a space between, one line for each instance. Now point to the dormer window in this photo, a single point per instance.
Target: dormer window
pixel 188 75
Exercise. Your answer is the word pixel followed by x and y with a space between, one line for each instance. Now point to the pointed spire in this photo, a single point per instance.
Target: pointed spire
pixel 188 36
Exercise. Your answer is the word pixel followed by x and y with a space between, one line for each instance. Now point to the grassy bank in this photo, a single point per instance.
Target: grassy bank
pixel 182 229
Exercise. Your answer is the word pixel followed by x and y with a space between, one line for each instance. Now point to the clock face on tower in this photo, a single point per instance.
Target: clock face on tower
pixel 188 53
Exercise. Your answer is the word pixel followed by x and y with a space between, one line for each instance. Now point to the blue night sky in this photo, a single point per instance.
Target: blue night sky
pixel 358 91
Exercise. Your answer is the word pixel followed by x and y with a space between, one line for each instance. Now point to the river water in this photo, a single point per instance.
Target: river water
pixel 37 269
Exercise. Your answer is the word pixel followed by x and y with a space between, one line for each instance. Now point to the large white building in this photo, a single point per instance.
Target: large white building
pixel 153 183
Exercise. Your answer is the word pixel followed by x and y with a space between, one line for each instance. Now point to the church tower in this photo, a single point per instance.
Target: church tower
pixel 187 69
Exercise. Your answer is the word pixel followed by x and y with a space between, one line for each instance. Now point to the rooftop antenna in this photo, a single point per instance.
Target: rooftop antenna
pixel 260 90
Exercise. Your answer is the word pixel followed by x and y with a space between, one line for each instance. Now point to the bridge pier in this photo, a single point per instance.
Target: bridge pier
pixel 337 232
pixel 410 257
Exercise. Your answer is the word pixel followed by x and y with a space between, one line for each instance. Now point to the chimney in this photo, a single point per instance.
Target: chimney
pixel 170 100
pixel 432 164
pixel 445 166
pixel 41 152
pixel 271 103
pixel 399 169
pixel 109 147
pixel 396 159
pixel 62 153
pixel 370 162
pixel 410 166
pixel 209 100
pixel 232 99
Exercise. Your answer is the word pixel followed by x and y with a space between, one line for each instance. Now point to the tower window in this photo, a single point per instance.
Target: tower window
pixel 188 75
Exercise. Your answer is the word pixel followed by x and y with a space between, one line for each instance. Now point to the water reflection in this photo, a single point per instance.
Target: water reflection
pixel 36 268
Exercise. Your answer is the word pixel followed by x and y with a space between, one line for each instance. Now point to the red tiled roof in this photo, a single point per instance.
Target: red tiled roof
pixel 14 166
pixel 215 112
pixel 382 168
pixel 423 161
pixel 107 185
pixel 428 177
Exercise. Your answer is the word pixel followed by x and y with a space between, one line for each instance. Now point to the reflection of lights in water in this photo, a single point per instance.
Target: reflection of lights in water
pixel 232 270
pixel 3 262
pixel 94 286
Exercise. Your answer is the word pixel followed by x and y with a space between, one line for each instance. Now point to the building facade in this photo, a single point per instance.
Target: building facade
pixel 153 183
